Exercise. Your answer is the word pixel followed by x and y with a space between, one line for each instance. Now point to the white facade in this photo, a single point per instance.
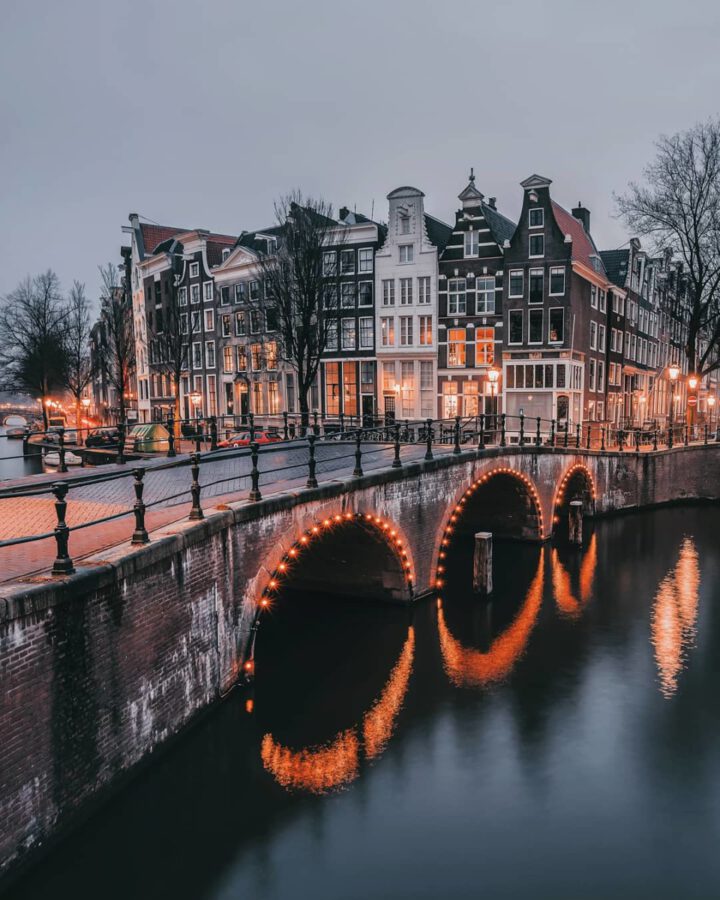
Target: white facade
pixel 406 281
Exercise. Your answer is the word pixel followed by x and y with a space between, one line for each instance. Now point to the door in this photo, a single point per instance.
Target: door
pixel 368 410
pixel 562 412
pixel 389 410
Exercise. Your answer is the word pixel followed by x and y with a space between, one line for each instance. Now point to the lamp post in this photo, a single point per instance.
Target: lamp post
pixel 673 373
pixel 85 403
pixel 692 400
pixel 493 376
pixel 711 406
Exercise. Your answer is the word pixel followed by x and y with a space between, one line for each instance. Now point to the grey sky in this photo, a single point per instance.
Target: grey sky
pixel 199 114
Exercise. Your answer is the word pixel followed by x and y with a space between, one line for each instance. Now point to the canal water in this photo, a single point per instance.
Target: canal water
pixel 561 741
pixel 13 464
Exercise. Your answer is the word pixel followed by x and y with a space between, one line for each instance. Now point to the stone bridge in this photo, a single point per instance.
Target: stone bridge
pixel 101 667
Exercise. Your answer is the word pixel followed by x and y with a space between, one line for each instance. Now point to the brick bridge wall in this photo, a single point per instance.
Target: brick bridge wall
pixel 99 669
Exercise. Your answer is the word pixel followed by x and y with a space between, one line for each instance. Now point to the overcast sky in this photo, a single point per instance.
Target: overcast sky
pixel 199 114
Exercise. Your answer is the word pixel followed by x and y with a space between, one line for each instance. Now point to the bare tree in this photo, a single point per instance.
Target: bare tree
pixel 169 333
pixel 78 371
pixel 33 322
pixel 117 351
pixel 678 209
pixel 297 285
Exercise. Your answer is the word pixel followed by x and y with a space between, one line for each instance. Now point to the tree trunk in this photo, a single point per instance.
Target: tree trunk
pixel 78 421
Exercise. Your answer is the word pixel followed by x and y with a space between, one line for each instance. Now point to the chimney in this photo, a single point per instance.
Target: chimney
pixel 491 202
pixel 583 215
pixel 344 213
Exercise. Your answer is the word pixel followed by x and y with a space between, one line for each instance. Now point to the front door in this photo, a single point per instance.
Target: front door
pixel 389 409
pixel 368 410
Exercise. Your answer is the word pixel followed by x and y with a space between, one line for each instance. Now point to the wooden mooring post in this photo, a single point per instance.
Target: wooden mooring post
pixel 482 563
pixel 575 520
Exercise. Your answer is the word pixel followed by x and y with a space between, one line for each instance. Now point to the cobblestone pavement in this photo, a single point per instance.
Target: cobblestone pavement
pixel 167 495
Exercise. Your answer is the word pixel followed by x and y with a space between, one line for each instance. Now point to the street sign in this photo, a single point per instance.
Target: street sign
pixel 692 400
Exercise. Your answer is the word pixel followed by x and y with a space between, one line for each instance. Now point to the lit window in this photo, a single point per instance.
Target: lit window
pixel 406 331
pixel 426 331
pixel 484 346
pixel 456 347
pixel 556 330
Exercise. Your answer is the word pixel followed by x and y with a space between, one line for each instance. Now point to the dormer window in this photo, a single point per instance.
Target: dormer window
pixel 194 270
pixel 536 218
pixel 404 223
pixel 406 253
pixel 537 245
pixel 472 243
pixel 225 253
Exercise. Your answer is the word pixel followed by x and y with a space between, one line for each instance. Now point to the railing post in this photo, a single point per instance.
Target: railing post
pixel 251 419
pixel 428 437
pixel 621 439
pixel 63 565
pixel 213 433
pixel 686 434
pixel 537 433
pixel 503 442
pixel 140 535
pixel 286 433
pixel 62 465
pixel 577 436
pixel 705 438
pixel 196 510
pixel 456 448
pixel 171 435
pixel 522 429
pixel 602 438
pixel 552 432
pixel 567 432
pixel 589 436
pixel 357 471
pixel 254 474
pixel 342 422
pixel 316 427
pixel 198 443
pixel 312 480
pixel 120 458
pixel 654 440
pixel 670 437
pixel 397 463
pixel 481 441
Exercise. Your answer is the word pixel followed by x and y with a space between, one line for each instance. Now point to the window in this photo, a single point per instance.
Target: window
pixel 207 291
pixel 472 243
pixel 456 347
pixel 535 334
pixel 591 374
pixel 183 323
pixel 330 296
pixel 404 224
pixel 195 322
pixel 182 296
pixel 406 297
pixel 348 333
pixel 456 296
pixel 426 331
pixel 242 362
pixel 515 326
pixel 347 262
pixel 209 354
pixel 536 218
pixel 194 270
pixel 536 286
pixel 365 260
pixel 194 293
pixel 212 394
pixel 556 329
pixel 332 335
pixel 601 337
pixel 197 355
pixel 329 263
pixel 537 245
pixel 366 332
pixel 209 320
pixel 424 290
pixel 387 331
pixel 365 293
pixel 256 356
pixel 484 346
pixel 427 390
pixel 332 389
pixel 603 302
pixel 388 376
pixel 271 318
pixel 557 281
pixel 406 253
pixel 406 331
pixel 254 290
pixel 389 292
pixel 407 385
pixel 271 355
pixel 593 296
pixel 517 287
pixel 228 359
pixel 485 295
pixel 600 375
pixel 254 321
pixel 593 336
pixel 240 292
pixel 240 324
pixel 347 295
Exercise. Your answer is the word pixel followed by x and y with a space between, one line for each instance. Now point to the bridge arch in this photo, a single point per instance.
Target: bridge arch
pixel 576 483
pixel 501 500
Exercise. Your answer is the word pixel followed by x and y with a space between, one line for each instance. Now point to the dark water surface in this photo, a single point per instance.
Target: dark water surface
pixel 13 464
pixel 562 741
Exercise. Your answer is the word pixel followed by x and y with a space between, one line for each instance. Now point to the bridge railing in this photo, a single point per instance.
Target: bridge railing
pixel 320 450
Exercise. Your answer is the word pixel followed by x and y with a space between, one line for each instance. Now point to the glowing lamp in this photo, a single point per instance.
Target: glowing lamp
pixel 692 382
pixel 711 402
pixel 673 372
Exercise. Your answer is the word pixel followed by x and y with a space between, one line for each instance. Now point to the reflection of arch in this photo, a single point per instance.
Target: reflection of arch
pixel 321 769
pixel 576 483
pixel 468 667
pixel 532 526
pixel 673 617
pixel 568 604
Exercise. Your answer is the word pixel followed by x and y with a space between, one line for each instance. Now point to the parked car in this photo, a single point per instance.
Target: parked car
pixel 102 437
pixel 242 439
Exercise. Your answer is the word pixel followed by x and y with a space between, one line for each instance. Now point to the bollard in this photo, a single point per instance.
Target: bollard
pixel 198 431
pixel 482 563
pixel 575 517
pixel 254 474
pixel 538 439
pixel 602 438
pixel 567 432
pixel 428 436
pixel 213 433
pixel 456 448
pixel 312 480
pixel 357 471
pixel 502 430
pixel 522 429
pixel 589 433
pixel 552 432
pixel 171 435
pixel 196 510
pixel 577 436
pixel 286 433
pixel 670 438
pixel 120 459
pixel 140 535
pixel 397 463
pixel 316 427
pixel 481 439
pixel 655 442
pixel 251 418
pixel 62 465
pixel 63 565
pixel 621 439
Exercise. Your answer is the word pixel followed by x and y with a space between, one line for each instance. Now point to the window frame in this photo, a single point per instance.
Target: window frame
pixel 554 272
pixel 536 209
pixel 518 313
pixel 516 273
pixel 536 237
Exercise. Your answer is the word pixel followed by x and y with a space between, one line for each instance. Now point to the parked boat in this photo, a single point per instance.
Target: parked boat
pixel 15 433
pixel 52 458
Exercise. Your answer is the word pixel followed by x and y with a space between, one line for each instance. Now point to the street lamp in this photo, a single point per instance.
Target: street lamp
pixel 493 376
pixel 692 382
pixel 711 404
pixel 673 373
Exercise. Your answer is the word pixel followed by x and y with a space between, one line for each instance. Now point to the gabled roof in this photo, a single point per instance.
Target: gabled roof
pixel 215 246
pixel 253 240
pixel 501 227
pixel 153 235
pixel 438 232
pixel 616 264
pixel 583 246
